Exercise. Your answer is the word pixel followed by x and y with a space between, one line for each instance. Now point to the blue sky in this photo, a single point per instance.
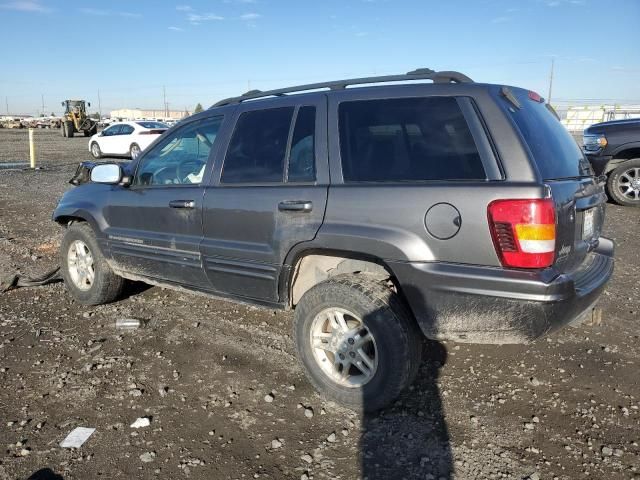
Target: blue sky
pixel 204 50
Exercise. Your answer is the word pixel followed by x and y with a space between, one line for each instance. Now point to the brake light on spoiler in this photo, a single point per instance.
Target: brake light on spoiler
pixel 523 232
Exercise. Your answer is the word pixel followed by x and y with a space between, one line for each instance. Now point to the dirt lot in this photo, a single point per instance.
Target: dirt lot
pixel 227 399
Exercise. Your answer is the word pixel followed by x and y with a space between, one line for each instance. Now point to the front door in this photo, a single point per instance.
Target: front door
pixel 268 195
pixel 155 225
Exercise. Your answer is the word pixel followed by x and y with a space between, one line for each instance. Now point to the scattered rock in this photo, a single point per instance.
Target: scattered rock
pixel 308 412
pixel 148 457
pixel 269 397
pixel 276 443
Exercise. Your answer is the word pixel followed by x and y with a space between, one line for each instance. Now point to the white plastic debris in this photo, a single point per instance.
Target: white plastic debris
pixel 128 323
pixel 141 422
pixel 77 437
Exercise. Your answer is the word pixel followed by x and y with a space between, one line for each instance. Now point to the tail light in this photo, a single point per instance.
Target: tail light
pixel 524 232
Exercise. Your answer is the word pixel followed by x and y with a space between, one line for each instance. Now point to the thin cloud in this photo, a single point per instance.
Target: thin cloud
pixel 25 6
pixel 176 29
pixel 245 2
pixel 500 19
pixel 108 13
pixel 250 16
pixel 197 18
pixel 184 8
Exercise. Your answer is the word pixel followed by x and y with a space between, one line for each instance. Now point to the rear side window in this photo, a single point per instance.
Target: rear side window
pixel 407 139
pixel 126 130
pixel 555 152
pixel 302 154
pixel 257 149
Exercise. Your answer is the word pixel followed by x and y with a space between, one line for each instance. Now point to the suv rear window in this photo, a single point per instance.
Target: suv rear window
pixel 407 139
pixel 555 152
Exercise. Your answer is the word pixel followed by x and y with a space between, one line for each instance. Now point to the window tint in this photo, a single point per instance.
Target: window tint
pixel 407 139
pixel 257 148
pixel 554 150
pixel 126 130
pixel 180 158
pixel 302 154
pixel 109 132
pixel 152 124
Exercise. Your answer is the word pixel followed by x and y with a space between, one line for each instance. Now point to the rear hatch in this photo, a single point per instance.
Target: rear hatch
pixel 578 195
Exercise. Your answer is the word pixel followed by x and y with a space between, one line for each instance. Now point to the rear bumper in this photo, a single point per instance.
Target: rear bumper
pixel 491 305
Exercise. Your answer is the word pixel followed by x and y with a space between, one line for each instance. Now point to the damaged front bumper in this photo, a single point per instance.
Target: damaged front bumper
pixel 491 305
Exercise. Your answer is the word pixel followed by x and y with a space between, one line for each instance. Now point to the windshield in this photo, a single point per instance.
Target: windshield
pixel 152 124
pixel 555 152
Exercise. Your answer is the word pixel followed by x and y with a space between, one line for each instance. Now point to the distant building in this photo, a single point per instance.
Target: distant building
pixel 139 114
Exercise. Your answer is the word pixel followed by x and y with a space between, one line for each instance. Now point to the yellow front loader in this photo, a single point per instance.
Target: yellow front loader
pixel 75 119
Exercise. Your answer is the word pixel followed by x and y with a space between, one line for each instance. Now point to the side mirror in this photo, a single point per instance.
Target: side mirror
pixel 88 104
pixel 109 173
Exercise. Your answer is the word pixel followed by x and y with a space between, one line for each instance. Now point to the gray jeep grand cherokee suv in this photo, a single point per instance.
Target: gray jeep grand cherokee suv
pixel 452 209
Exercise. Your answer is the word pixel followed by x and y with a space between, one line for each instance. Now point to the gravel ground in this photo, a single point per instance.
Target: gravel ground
pixel 226 397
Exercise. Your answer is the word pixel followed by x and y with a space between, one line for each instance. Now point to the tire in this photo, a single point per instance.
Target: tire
pixel 95 150
pixel 623 184
pixel 63 129
pixel 105 286
pixel 134 151
pixel 397 341
pixel 87 133
pixel 69 128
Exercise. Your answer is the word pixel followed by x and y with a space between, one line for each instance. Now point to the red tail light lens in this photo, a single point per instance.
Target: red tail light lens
pixel 524 232
pixel 535 97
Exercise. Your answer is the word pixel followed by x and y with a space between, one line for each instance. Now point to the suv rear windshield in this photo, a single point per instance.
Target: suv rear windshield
pixel 555 152
pixel 405 140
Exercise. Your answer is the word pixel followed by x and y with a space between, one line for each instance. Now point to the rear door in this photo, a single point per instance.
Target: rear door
pixel 269 193
pixel 578 195
pixel 123 139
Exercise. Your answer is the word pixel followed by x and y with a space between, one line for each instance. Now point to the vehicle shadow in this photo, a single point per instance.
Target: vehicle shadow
pixel 45 474
pixel 410 439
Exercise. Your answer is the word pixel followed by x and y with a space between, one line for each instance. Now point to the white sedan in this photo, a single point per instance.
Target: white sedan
pixel 125 139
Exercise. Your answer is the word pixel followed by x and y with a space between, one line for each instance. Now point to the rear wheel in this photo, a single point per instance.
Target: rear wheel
pixel 87 276
pixel 95 150
pixel 63 129
pixel 357 342
pixel 87 133
pixel 623 184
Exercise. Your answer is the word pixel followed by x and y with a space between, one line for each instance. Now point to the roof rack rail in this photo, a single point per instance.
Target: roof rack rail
pixel 419 74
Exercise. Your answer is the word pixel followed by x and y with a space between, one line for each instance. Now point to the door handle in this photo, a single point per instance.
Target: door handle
pixel 182 204
pixel 295 206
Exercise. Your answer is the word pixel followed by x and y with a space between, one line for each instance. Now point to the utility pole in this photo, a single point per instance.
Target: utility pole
pixel 550 81
pixel 164 100
pixel 42 104
pixel 99 106
pixel 6 100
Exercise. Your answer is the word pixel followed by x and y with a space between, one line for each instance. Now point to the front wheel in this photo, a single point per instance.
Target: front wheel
pixel 357 342
pixel 623 184
pixel 69 129
pixel 95 150
pixel 87 276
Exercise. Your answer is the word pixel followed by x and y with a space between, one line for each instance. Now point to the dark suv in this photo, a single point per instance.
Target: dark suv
pixel 613 148
pixel 452 209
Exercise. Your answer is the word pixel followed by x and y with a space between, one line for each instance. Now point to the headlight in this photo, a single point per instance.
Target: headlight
pixel 593 143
